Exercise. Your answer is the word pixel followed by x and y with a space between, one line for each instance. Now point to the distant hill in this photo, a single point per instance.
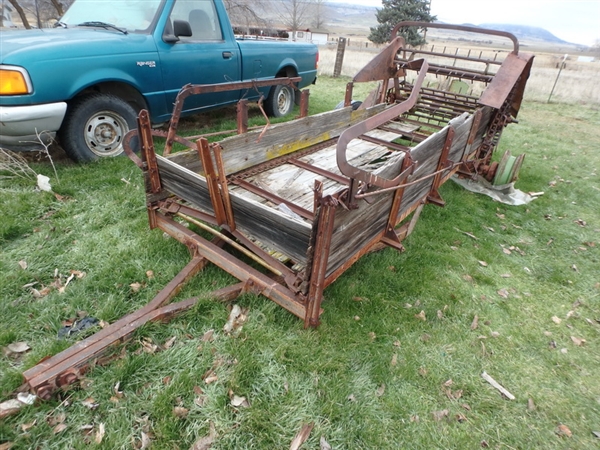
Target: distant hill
pixel 525 32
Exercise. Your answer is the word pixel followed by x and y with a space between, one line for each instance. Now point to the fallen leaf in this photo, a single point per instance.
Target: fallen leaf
pixel 27 426
pixel 239 402
pixel 578 341
pixel 100 434
pixel 211 378
pixel 372 336
pixel 6 445
pixel 351 398
pixel 580 222
pixel 180 411
pixel 530 404
pixel 506 251
pixel 483 263
pixel 57 419
pixel 146 441
pixel 301 436
pixel 503 293
pixel 323 444
pixel 208 336
pixel 396 343
pixel 460 418
pixel 10 407
pixel 494 334
pixel 59 428
pixel 394 360
pixel 90 403
pixel 440 314
pixel 23 264
pixel 475 322
pixel 596 434
pixel 236 319
pixel 421 316
pixel 169 343
pixel 439 415
pixel 135 287
pixel 18 347
pixel 380 390
pixel 149 274
pixel 415 418
pixel 148 346
pixel 563 430
pixel 556 320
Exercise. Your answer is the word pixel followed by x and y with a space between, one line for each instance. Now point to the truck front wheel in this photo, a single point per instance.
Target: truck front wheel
pixel 95 126
pixel 280 101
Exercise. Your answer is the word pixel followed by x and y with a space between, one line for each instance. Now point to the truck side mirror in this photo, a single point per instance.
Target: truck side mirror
pixel 180 28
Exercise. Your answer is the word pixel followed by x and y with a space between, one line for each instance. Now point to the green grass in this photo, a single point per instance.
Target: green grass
pixel 371 383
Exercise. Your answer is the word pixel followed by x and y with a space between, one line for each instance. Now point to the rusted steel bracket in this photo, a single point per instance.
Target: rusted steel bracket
pixel 394 33
pixel 325 216
pixel 65 367
pixel 194 89
pixel 390 236
pixel 434 195
pixel 242 116
pixel 354 131
pixel 216 182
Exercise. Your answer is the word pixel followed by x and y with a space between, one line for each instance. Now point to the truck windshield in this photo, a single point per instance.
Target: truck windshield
pixel 132 16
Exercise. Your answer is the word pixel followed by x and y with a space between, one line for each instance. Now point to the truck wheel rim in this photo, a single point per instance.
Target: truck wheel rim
pixel 284 100
pixel 104 133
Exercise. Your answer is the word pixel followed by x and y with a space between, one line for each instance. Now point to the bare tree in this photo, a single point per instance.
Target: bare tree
pixel 246 13
pixel 20 12
pixel 319 13
pixel 295 14
pixel 58 6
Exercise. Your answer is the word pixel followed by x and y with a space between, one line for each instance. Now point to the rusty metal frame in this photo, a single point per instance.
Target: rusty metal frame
pixel 299 290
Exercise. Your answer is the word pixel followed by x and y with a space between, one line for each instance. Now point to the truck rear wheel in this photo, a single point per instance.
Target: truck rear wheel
pixel 95 126
pixel 280 101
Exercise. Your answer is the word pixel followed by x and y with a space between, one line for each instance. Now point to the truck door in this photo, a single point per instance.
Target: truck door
pixel 209 56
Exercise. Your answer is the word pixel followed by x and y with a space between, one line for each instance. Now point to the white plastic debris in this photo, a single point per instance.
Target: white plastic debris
pixel 506 193
pixel 43 183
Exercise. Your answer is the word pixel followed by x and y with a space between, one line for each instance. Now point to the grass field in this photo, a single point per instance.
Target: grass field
pixel 510 290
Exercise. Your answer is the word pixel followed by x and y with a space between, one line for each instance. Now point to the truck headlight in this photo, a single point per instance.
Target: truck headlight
pixel 14 81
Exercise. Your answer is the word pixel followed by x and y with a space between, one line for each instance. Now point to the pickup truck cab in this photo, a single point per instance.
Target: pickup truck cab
pixel 85 80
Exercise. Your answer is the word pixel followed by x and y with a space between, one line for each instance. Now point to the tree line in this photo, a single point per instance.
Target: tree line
pixel 293 14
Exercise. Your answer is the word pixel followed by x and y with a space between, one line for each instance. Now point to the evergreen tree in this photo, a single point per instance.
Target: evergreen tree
pixel 395 11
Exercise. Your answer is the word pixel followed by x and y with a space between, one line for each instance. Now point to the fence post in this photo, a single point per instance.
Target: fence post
pixel 562 64
pixel 339 57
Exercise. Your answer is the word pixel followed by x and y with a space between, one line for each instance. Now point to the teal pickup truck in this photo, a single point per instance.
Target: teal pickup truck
pixel 85 80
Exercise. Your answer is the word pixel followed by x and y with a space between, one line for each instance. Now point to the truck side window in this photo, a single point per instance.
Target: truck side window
pixel 202 17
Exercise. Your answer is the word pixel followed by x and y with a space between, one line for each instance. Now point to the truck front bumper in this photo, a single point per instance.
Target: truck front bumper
pixel 20 126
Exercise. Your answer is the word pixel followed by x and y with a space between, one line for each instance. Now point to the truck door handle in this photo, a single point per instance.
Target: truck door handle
pixel 227 55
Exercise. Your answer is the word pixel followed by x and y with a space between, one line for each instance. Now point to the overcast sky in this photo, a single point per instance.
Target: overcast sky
pixel 576 21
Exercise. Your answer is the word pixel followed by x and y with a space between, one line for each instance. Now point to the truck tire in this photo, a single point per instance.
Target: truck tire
pixel 95 125
pixel 280 101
